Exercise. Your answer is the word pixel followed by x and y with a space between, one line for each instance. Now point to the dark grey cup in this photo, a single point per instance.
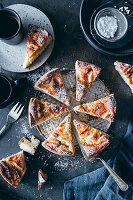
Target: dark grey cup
pixel 18 35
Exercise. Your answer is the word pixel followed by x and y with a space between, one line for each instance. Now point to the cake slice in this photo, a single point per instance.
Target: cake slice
pixel 42 178
pixel 29 146
pixel 126 72
pixel 40 111
pixel 104 108
pixel 86 74
pixel 52 84
pixel 60 141
pixel 92 140
pixel 38 40
pixel 13 168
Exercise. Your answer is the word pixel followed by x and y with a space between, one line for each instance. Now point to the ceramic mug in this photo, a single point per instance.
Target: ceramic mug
pixel 11 31
pixel 7 91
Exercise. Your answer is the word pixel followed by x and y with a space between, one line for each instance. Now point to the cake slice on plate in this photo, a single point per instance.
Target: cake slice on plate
pixel 52 84
pixel 13 168
pixel 60 141
pixel 40 111
pixel 86 74
pixel 92 140
pixel 104 108
pixel 42 178
pixel 38 40
pixel 126 72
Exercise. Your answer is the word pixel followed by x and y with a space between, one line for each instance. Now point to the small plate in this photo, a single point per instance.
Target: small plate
pixel 12 57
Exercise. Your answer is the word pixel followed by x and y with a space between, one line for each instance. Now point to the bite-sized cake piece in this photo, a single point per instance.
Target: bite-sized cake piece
pixel 40 111
pixel 13 168
pixel 86 74
pixel 38 40
pixel 29 146
pixel 52 84
pixel 35 142
pixel 126 72
pixel 92 140
pixel 104 108
pixel 60 141
pixel 42 178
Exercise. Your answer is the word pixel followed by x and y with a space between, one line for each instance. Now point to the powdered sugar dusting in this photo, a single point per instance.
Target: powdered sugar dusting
pixel 37 74
pixel 23 129
pixel 122 65
pixel 42 180
pixel 80 88
pixel 61 94
pixel 68 124
pixel 64 163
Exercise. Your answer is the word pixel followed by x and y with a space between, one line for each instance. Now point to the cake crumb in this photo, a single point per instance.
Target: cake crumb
pixel 41 196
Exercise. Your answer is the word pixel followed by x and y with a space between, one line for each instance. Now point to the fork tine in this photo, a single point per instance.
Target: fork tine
pixel 15 113
pixel 18 108
pixel 20 111
pixel 14 108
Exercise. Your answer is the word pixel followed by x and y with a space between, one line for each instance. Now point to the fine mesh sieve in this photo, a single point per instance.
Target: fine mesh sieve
pixel 121 22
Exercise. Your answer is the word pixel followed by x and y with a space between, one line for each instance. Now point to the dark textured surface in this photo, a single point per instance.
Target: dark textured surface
pixel 69 46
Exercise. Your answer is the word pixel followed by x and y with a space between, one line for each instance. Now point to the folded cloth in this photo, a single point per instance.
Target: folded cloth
pixel 99 185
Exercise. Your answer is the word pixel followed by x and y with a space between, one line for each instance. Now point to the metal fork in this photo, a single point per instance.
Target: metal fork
pixel 122 185
pixel 12 116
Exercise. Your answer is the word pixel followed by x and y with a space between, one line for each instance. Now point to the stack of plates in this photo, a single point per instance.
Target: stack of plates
pixel 88 11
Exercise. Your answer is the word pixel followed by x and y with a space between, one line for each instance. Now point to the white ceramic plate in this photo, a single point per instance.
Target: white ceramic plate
pixel 12 57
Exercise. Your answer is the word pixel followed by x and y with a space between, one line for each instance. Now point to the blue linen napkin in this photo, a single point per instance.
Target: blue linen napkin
pixel 99 185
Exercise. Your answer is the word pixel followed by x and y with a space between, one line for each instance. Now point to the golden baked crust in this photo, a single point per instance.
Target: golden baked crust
pixel 40 111
pixel 126 72
pixel 60 141
pixel 38 40
pixel 42 178
pixel 52 84
pixel 104 108
pixel 86 74
pixel 18 160
pixel 13 168
pixel 92 140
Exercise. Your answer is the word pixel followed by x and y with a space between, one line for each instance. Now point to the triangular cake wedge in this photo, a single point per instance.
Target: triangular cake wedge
pixel 13 168
pixel 126 72
pixel 42 178
pixel 52 84
pixel 86 74
pixel 40 111
pixel 38 40
pixel 104 108
pixel 92 140
pixel 60 141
